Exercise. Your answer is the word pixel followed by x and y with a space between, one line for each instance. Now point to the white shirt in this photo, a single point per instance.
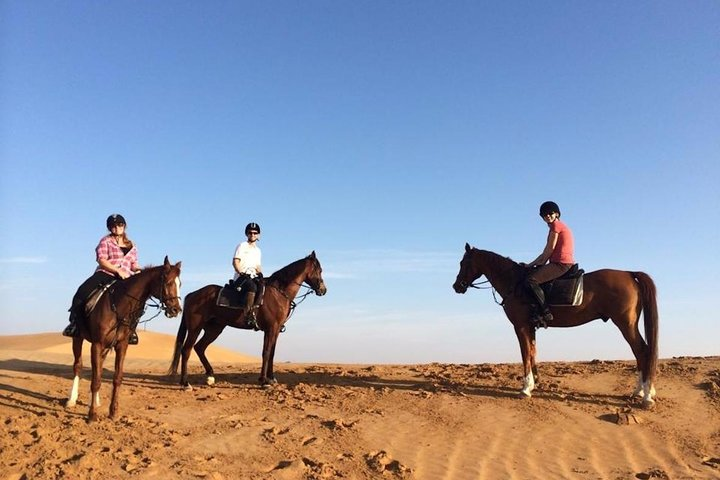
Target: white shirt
pixel 249 256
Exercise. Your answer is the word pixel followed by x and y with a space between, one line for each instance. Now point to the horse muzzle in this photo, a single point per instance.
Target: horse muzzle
pixel 171 312
pixel 460 287
pixel 321 290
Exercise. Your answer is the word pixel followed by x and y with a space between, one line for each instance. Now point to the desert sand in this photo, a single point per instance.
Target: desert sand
pixel 429 421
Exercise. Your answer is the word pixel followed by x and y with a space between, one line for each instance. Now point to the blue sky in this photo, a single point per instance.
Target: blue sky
pixel 382 135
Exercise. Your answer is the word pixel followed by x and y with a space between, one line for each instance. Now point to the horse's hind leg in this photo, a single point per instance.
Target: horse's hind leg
pixel 192 335
pixel 77 371
pixel 212 332
pixel 629 329
pixel 120 350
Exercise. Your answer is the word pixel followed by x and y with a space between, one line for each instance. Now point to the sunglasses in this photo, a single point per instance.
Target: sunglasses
pixel 253 233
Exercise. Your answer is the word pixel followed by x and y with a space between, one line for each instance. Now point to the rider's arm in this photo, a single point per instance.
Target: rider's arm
pixel 549 247
pixel 106 265
pixel 237 264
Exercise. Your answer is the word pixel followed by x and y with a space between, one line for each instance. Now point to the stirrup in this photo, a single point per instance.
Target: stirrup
pixel 133 338
pixel 251 320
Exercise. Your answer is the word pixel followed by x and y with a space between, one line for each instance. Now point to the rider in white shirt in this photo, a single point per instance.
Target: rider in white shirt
pixel 248 272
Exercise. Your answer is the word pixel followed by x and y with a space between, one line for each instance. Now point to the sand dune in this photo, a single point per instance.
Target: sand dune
pixel 152 346
pixel 430 421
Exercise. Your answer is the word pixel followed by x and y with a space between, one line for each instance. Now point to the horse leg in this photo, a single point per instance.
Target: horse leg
pixel 77 370
pixel 192 335
pixel 96 359
pixel 212 332
pixel 527 350
pixel 267 375
pixel 629 329
pixel 533 351
pixel 120 350
pixel 271 366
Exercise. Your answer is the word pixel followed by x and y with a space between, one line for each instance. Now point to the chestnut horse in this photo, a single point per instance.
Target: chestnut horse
pixel 609 294
pixel 202 313
pixel 109 324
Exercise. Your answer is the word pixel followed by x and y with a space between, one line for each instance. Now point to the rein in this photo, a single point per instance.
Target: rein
pixel 133 316
pixel 292 301
pixel 486 285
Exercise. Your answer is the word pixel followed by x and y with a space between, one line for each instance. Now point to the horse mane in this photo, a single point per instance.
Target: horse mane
pixel 285 274
pixel 498 260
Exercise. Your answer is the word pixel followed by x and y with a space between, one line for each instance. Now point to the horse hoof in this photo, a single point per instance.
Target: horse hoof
pixel 69 404
pixel 648 404
pixel 210 381
pixel 187 388
pixel 524 394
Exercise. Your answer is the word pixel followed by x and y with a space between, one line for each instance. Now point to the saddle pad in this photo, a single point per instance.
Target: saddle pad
pixel 230 298
pixel 565 292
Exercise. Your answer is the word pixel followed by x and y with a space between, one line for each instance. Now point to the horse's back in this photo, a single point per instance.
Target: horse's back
pixel 609 280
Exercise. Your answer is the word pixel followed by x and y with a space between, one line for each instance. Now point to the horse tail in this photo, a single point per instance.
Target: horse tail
pixel 179 341
pixel 648 297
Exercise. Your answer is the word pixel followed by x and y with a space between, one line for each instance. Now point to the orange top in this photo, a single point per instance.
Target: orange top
pixel 565 246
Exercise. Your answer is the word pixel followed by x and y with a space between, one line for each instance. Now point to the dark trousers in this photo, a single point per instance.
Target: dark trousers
pixel 97 280
pixel 250 285
pixel 542 274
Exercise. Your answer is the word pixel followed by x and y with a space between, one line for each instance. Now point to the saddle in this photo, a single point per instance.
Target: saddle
pixel 229 296
pixel 95 297
pixel 566 290
pixel 232 295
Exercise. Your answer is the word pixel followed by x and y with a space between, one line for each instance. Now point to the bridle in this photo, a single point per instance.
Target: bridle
pixel 482 285
pixel 301 297
pixel 163 297
pixel 162 306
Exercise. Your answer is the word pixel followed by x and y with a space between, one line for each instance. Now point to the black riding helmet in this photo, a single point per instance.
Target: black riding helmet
pixel 115 219
pixel 549 207
pixel 252 226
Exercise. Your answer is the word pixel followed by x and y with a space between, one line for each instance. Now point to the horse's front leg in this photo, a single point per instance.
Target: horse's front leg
pixel 527 349
pixel 533 351
pixel 96 360
pixel 120 351
pixel 268 353
pixel 77 371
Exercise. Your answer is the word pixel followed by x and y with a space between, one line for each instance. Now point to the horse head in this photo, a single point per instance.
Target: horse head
pixel 313 275
pixel 169 289
pixel 469 271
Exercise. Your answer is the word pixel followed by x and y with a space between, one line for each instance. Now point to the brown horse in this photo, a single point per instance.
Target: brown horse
pixel 609 294
pixel 109 324
pixel 202 313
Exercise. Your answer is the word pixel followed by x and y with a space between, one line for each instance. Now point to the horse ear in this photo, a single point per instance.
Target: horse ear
pixel 177 265
pixel 312 255
pixel 467 247
pixel 166 263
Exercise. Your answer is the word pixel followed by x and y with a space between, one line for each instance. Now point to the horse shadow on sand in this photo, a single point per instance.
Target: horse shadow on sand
pixel 347 377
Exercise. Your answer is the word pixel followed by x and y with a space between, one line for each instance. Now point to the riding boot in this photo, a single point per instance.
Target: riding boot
pixel 249 311
pixel 543 315
pixel 133 338
pixel 71 330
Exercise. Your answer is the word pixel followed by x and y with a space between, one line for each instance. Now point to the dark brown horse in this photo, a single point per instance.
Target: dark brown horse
pixel 202 313
pixel 609 294
pixel 109 323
